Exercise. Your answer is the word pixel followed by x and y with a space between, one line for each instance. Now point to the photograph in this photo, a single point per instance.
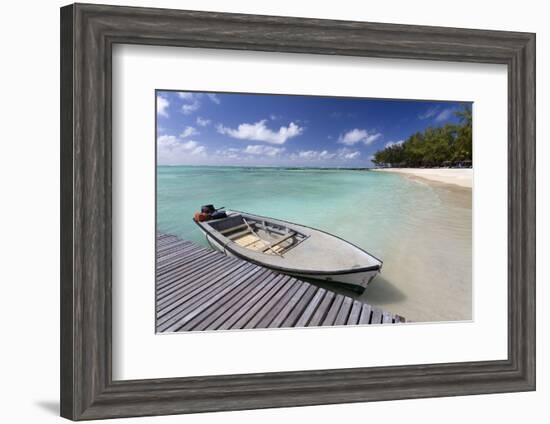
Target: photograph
pixel 291 211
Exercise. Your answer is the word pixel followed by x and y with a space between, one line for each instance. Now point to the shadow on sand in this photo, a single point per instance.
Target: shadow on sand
pixel 379 292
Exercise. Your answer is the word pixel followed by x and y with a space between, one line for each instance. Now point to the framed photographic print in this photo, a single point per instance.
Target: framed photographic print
pixel 264 211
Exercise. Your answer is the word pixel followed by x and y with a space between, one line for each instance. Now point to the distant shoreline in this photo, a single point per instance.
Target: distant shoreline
pixel 326 168
pixel 461 177
pixel 456 176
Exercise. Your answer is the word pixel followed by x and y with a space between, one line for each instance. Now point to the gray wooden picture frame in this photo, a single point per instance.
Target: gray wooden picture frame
pixel 88 33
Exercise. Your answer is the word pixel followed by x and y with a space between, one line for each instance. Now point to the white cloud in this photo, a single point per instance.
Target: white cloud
pixel 187 96
pixel 193 101
pixel 172 143
pixel 437 114
pixel 188 132
pixel 167 141
pixel 345 154
pixel 214 98
pixel 308 154
pixel 259 132
pixel 172 150
pixel 189 108
pixel 325 155
pixel 230 153
pixel 162 106
pixel 229 150
pixel 358 135
pixel 203 122
pixel 263 150
pixel 430 113
pixel 316 155
pixel 199 150
pixel 394 143
pixel 444 115
pixel 189 145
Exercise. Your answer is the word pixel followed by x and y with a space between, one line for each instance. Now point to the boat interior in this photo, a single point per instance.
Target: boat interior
pixel 258 235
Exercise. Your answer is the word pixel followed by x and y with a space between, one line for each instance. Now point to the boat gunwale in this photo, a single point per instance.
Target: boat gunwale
pixel 315 229
pixel 210 231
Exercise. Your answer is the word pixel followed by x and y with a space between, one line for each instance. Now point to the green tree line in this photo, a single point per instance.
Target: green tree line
pixel 449 145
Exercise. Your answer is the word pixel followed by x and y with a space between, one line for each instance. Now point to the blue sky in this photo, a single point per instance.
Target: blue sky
pixel 279 130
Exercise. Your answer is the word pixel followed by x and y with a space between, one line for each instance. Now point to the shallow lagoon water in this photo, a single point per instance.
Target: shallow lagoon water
pixel 422 231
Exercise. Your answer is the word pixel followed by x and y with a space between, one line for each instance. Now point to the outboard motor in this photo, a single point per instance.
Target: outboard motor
pixel 219 214
pixel 209 209
pixel 209 212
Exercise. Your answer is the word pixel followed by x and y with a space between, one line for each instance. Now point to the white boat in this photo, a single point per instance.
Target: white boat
pixel 291 248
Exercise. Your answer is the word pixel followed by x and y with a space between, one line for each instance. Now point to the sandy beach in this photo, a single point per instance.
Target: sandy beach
pixel 459 177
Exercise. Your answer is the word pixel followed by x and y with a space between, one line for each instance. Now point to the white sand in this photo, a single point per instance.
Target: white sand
pixel 459 177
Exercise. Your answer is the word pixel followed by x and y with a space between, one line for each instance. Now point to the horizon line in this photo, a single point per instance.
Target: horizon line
pixel 271 166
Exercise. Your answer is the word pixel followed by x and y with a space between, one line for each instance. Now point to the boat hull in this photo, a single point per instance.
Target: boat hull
pixel 357 281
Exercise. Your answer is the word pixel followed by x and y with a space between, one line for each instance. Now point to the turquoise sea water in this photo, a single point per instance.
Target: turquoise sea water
pixel 421 231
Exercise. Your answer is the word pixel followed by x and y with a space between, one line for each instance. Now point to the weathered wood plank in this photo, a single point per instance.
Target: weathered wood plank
pixel 376 316
pixel 322 310
pixel 164 261
pixel 210 280
pixel 166 249
pixel 278 303
pixel 201 275
pixel 184 265
pixel 174 250
pixel 173 268
pixel 366 311
pixel 187 311
pixel 199 289
pixel 355 313
pixel 292 318
pixel 178 282
pixel 248 315
pixel 199 265
pixel 186 293
pixel 213 299
pixel 210 305
pixel 162 246
pixel 165 241
pixel 231 308
pixel 284 312
pixel 312 306
pixel 232 315
pixel 333 311
pixel 343 313
pixel 192 266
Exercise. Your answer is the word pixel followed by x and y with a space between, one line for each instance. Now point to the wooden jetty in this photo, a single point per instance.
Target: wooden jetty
pixel 198 289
